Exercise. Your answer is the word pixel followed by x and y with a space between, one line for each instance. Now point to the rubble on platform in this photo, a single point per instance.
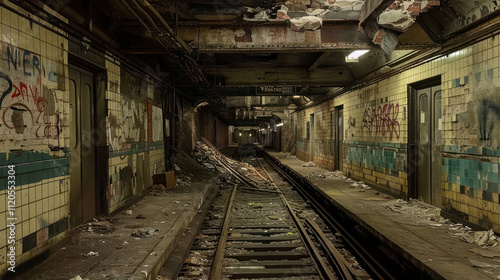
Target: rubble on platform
pixel 308 164
pixel 287 155
pixel 100 225
pixel 419 213
pixel 144 232
pixel 157 190
pixel 360 185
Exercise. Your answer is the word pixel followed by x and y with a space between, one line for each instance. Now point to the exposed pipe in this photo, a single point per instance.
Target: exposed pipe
pixel 187 49
pixel 146 14
pixel 137 16
pixel 145 25
pixel 80 20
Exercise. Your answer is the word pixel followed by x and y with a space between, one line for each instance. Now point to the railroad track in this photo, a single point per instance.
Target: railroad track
pixel 263 232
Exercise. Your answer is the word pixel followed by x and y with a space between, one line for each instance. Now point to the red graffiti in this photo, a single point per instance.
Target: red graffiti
pixel 383 118
pixel 51 126
pixel 22 91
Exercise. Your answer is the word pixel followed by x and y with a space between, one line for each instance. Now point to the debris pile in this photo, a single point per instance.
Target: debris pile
pixel 213 160
pixel 288 155
pixel 360 185
pixel 306 23
pixel 480 238
pixel 308 164
pixel 145 232
pixel 157 190
pixel 90 254
pixel 256 13
pixel 100 225
pixel 183 180
pixel 314 176
pixel 416 212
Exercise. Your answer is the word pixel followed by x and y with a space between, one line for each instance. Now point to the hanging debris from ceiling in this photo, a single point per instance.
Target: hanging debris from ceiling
pixel 306 23
pixel 385 26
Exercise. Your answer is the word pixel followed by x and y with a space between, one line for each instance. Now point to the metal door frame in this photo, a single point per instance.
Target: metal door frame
pixel 412 146
pixel 312 134
pixel 337 131
pixel 97 199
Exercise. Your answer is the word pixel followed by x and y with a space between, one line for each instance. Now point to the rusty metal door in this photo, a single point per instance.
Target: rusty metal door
pixel 82 147
pixel 428 135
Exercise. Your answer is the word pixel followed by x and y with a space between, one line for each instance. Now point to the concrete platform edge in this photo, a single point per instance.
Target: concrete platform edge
pixel 385 240
pixel 153 263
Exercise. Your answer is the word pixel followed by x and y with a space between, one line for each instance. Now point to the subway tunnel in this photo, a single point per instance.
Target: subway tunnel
pixel 124 122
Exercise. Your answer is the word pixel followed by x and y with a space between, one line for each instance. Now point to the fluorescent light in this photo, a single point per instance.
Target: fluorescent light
pixel 353 57
pixel 280 124
pixel 296 96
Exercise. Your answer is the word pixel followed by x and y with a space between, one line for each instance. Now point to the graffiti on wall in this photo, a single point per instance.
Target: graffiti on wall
pixel 27 110
pixel 127 126
pixel 157 124
pixel 382 119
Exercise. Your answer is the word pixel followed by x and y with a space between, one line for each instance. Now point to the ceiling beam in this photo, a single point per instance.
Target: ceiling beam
pixel 323 76
pixel 371 9
pixel 273 38
pixel 318 61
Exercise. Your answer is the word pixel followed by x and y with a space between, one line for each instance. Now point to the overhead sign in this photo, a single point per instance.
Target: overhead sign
pixel 281 90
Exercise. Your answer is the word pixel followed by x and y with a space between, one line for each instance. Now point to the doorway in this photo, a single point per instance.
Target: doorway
pixel 312 136
pixel 83 194
pixel 425 144
pixel 338 143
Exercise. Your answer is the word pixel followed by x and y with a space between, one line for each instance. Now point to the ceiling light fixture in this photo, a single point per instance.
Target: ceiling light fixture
pixel 353 57
pixel 280 124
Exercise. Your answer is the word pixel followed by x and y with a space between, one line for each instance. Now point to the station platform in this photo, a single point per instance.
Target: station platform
pixel 433 245
pixel 106 249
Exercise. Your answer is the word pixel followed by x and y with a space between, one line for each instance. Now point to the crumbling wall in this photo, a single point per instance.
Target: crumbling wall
pixel 289 134
pixel 34 129
pixel 135 134
pixel 376 129
pixel 189 131
pixel 212 128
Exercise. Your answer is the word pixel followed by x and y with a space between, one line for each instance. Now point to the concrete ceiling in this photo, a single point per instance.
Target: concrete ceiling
pixel 269 47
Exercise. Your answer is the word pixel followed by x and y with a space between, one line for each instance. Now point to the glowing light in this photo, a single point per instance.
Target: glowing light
pixel 280 124
pixel 353 57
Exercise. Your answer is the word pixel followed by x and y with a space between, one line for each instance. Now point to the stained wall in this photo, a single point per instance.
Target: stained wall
pixel 35 133
pixel 376 126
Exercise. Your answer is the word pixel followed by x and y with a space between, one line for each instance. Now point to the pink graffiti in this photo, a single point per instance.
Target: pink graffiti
pixel 383 118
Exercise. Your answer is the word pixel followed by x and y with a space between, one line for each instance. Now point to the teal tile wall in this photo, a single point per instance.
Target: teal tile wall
pixel 32 167
pixel 480 151
pixel 137 148
pixel 381 157
pixel 476 175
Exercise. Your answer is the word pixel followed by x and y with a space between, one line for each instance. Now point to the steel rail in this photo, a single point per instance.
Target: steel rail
pixel 339 260
pixel 334 254
pixel 313 251
pixel 215 271
pixel 373 264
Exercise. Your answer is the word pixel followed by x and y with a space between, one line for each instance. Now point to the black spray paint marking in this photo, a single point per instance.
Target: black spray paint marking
pixel 9 88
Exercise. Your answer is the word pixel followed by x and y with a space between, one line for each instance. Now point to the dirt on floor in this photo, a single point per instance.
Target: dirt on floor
pixel 94 241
